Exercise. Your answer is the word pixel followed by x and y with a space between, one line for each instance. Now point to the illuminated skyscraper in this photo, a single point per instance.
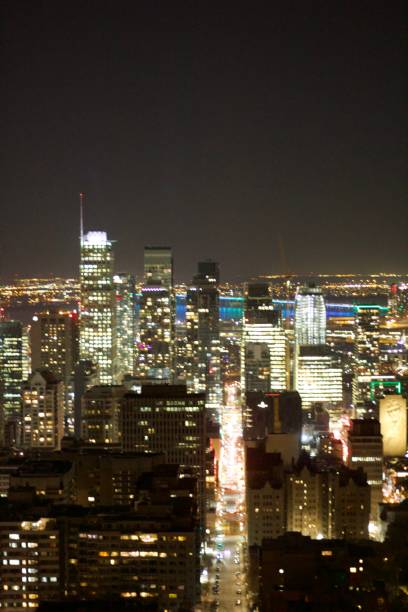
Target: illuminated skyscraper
pixel 264 347
pixel 157 316
pixel 368 319
pixel 310 316
pixel 96 340
pixel 203 337
pixel 125 332
pixel 318 378
pixel 14 365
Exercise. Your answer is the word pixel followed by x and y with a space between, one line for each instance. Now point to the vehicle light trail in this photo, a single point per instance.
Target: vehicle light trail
pixel 231 475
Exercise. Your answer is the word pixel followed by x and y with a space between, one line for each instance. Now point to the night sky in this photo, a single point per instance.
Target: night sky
pixel 271 136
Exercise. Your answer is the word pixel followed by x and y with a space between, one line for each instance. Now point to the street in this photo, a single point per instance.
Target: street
pixel 224 579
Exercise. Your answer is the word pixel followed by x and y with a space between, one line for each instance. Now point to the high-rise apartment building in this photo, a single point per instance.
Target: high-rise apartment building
pixel 125 329
pixel 157 316
pixel 310 316
pixel 14 366
pixel 54 346
pixel 365 450
pixel 264 346
pixel 203 372
pixel 54 343
pixel 96 340
pixel 31 565
pixel 43 410
pixel 303 497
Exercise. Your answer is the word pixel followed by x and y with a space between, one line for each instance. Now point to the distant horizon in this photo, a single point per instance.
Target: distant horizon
pixel 261 276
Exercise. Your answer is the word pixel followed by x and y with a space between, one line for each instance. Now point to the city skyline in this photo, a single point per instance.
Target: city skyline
pixel 278 135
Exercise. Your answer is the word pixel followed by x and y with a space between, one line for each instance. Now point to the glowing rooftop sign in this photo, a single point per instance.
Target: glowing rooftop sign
pixel 96 238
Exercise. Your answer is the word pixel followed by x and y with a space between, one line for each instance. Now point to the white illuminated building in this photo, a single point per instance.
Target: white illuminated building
pixel 96 339
pixel 318 379
pixel 310 316
pixel 264 357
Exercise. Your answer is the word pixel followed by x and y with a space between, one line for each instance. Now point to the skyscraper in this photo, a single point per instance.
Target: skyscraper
pixel 54 343
pixel 310 316
pixel 165 418
pixel 264 347
pixel 96 340
pixel 14 366
pixel 318 378
pixel 125 331
pixel 203 337
pixel 368 318
pixel 158 266
pixel 157 316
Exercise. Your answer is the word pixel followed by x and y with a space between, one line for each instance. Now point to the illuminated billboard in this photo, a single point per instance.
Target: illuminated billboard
pixel 393 419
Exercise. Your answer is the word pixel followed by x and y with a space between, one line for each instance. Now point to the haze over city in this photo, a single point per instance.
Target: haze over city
pixel 272 139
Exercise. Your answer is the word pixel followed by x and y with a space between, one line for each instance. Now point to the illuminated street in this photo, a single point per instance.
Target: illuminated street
pixel 226 579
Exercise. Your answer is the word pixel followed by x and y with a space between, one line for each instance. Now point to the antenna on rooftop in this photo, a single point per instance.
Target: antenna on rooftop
pixel 81 215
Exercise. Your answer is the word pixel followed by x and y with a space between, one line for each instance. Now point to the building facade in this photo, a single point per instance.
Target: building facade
pixel 155 358
pixel 43 410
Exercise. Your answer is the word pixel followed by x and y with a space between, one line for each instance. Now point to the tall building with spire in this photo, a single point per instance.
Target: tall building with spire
pixel 97 307
pixel 155 359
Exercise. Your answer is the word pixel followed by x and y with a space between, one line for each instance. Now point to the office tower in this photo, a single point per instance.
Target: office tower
pixel 310 316
pixel 96 340
pixel 125 328
pixel 157 316
pixel 318 378
pixel 265 413
pixel 203 373
pixel 14 366
pixel 365 450
pixel 368 319
pixel 100 414
pixel 158 266
pixel 165 418
pixel 264 346
pixel 43 410
pixel 393 420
